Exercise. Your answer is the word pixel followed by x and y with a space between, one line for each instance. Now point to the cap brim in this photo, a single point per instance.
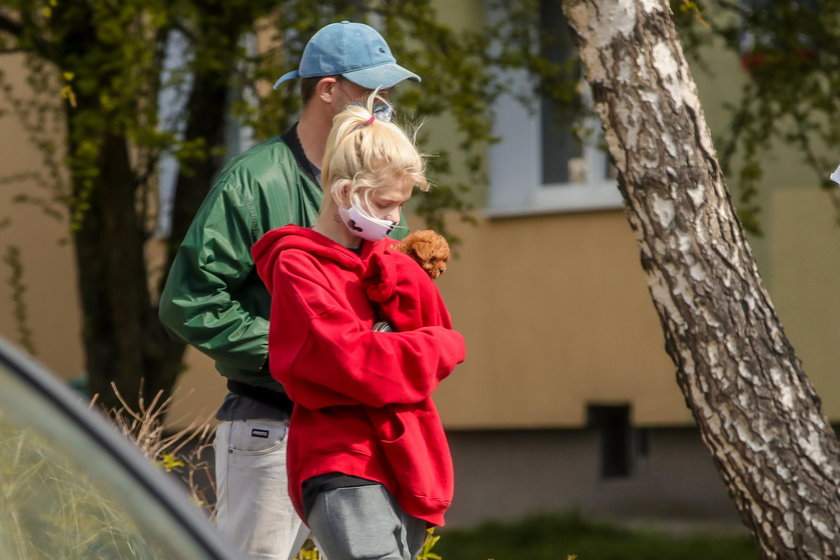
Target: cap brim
pixel 285 78
pixel 384 76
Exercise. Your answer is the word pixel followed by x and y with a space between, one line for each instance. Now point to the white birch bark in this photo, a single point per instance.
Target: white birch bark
pixel 756 410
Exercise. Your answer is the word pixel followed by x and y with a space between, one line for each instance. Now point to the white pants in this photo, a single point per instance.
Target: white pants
pixel 252 499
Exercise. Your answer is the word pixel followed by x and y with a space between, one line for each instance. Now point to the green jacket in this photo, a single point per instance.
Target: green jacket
pixel 213 298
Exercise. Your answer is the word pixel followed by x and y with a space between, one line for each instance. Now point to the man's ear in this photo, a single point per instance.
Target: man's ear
pixel 326 89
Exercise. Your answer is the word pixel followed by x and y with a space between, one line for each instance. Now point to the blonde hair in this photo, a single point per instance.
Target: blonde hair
pixel 367 153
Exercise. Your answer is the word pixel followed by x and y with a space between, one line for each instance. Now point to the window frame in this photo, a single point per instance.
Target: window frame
pixel 515 162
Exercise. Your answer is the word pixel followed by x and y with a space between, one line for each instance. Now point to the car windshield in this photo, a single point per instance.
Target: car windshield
pixel 65 496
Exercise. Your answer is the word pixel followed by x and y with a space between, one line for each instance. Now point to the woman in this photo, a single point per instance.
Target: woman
pixel 369 465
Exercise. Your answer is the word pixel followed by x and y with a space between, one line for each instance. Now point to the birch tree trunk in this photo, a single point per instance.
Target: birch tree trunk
pixel 757 412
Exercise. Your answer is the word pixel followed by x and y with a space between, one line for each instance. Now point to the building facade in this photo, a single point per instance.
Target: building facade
pixel 567 399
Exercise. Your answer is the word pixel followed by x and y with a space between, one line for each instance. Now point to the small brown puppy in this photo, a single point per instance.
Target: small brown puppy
pixel 429 249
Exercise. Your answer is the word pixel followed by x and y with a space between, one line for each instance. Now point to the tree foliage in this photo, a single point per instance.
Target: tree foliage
pixel 789 98
pixel 97 69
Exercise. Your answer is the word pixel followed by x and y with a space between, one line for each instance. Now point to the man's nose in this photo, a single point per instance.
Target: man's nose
pixel 383 93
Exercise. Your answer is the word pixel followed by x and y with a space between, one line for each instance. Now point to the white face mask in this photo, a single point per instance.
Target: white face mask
pixel 361 224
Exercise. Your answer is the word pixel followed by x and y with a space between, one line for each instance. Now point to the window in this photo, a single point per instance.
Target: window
pixel 548 159
pixel 616 432
pixel 172 100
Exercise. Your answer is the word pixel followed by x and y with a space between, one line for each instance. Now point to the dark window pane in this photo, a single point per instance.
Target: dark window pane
pixel 561 149
pixel 613 422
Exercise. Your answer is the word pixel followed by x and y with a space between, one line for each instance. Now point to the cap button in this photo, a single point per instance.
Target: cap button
pixel 345 21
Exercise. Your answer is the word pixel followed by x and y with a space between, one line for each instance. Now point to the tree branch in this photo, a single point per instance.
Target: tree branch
pixel 185 31
pixel 9 26
pixel 736 7
pixel 18 29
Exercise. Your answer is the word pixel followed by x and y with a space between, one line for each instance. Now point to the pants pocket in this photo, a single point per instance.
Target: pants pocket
pixel 253 507
pixel 257 437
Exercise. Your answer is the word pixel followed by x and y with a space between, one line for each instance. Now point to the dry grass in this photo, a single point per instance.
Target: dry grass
pixel 183 451
pixel 54 506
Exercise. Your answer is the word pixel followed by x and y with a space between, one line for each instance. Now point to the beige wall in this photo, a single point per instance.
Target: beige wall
pixel 49 277
pixel 805 286
pixel 556 314
pixel 198 392
pixel 48 273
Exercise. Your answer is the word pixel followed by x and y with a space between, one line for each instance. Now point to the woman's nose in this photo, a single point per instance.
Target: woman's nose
pixel 393 215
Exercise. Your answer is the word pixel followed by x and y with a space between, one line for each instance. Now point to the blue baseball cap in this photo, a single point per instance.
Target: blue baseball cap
pixel 354 51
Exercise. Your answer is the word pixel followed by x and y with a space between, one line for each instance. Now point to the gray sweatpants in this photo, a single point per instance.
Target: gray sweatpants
pixel 364 523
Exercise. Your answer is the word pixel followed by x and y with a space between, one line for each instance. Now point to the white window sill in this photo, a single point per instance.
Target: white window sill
pixel 562 199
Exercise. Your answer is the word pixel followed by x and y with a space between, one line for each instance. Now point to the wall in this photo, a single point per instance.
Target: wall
pixel 556 314
pixel 805 269
pixel 47 260
pixel 510 473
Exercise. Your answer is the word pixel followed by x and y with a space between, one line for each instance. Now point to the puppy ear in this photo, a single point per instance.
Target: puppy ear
pixel 446 252
pixel 423 250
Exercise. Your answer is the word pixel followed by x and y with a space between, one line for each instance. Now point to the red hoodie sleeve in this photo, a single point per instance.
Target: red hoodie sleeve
pixel 325 355
pixel 405 294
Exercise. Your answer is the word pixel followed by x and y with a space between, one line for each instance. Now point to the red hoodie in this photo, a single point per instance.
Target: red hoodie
pixel 362 397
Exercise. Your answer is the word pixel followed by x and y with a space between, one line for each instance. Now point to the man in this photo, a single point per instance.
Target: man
pixel 214 300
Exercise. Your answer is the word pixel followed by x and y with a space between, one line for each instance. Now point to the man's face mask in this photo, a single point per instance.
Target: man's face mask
pixel 382 111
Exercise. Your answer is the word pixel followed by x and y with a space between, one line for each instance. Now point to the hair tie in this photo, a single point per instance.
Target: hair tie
pixel 367 122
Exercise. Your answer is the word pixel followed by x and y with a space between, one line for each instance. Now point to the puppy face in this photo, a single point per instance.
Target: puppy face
pixel 429 249
pixel 435 266
pixel 433 255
